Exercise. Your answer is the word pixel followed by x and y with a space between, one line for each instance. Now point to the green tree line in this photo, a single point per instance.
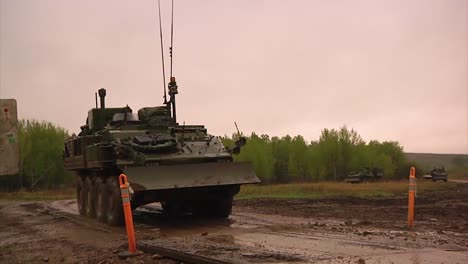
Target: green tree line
pixel 41 165
pixel 276 160
pixel 330 158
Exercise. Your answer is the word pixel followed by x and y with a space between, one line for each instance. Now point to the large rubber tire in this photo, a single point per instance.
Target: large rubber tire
pixel 164 206
pixel 90 197
pixel 81 195
pixel 114 212
pixel 222 207
pixel 100 204
pixel 219 208
pixel 172 209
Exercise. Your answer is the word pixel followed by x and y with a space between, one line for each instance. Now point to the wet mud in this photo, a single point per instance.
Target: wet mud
pixel 331 230
pixel 438 211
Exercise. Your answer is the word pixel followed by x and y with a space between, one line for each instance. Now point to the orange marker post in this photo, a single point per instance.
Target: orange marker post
pixel 411 196
pixel 124 186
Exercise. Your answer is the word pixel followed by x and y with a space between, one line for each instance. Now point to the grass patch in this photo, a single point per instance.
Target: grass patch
pixel 38 195
pixel 330 189
pixel 458 174
pixel 286 191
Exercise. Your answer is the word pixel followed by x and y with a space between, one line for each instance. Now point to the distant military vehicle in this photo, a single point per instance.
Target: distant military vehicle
pixel 436 174
pixel 365 174
pixel 181 166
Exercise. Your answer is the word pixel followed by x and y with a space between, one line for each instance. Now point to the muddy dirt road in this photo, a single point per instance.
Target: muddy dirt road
pixel 332 230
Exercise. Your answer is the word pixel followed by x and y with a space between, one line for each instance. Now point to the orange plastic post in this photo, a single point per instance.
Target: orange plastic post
pixel 124 186
pixel 411 196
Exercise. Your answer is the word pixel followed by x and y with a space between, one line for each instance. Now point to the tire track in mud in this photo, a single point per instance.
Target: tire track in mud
pixel 35 232
pixel 230 235
pixel 272 232
pixel 251 237
pixel 189 235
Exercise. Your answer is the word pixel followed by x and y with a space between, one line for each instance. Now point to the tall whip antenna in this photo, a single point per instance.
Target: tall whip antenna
pixel 162 52
pixel 172 34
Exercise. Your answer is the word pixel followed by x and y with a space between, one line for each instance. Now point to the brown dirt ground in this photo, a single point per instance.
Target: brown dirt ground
pixel 445 210
pixel 30 232
pixel 258 231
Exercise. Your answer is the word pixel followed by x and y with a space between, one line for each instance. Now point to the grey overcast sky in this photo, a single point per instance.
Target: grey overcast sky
pixel 390 69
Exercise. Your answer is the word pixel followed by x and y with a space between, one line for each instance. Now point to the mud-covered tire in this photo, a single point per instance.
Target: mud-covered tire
pixel 219 208
pixel 100 203
pixel 90 197
pixel 222 208
pixel 114 212
pixel 172 209
pixel 164 206
pixel 201 209
pixel 81 195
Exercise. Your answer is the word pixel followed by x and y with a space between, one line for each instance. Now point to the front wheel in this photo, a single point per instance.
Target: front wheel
pixel 81 195
pixel 174 208
pixel 114 212
pixel 219 208
pixel 90 197
pixel 223 207
pixel 101 200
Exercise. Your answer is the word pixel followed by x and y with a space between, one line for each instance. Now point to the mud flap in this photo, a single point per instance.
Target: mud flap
pixel 190 175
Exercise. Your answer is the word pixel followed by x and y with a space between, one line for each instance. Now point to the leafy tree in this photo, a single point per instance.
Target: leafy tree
pixel 41 148
pixel 332 157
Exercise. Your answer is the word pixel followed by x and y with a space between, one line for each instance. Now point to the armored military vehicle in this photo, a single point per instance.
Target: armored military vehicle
pixel 436 174
pixel 181 166
pixel 365 174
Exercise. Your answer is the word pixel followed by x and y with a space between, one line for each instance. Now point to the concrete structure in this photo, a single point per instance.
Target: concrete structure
pixel 9 154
